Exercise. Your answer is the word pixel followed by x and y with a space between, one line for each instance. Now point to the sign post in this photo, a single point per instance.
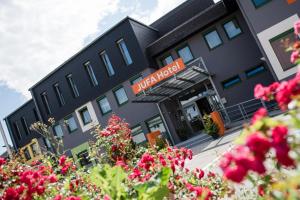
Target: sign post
pixel 5 141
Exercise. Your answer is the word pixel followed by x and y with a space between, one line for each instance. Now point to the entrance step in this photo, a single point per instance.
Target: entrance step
pixel 199 139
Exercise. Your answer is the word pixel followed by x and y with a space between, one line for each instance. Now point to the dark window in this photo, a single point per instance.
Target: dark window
pixel 83 158
pixel 104 105
pixel 25 126
pixel 121 96
pixel 85 116
pixel 232 29
pixel 279 44
pixel 71 124
pixel 35 115
pixel 255 70
pixel 58 131
pixel 46 103
pixel 72 85
pixel 107 63
pixel 17 131
pixel 213 39
pixel 167 60
pixel 258 3
pixel 91 74
pixel 185 53
pixel 27 154
pixel 231 82
pixel 59 94
pixel 125 53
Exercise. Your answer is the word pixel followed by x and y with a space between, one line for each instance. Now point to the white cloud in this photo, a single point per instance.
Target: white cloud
pixel 36 36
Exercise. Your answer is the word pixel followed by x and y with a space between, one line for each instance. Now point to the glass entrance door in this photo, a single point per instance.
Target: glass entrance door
pixel 194 117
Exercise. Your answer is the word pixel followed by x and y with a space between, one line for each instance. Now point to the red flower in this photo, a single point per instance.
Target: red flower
pixel 11 194
pixel 259 114
pixel 2 161
pixel 52 178
pixel 236 173
pixel 73 198
pixel 259 144
pixel 279 134
pixel 58 197
pixel 62 160
pixel 261 190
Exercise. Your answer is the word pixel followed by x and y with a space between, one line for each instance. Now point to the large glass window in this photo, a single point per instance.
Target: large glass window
pixel 107 63
pixel 167 60
pixel 156 124
pixel 73 85
pixel 279 45
pixel 121 96
pixel 232 29
pixel 25 126
pixel 91 73
pixel 104 105
pixel 59 94
pixel 85 116
pixel 186 54
pixel 58 131
pixel 46 102
pixel 125 53
pixel 138 135
pixel 213 39
pixel 258 3
pixel 71 124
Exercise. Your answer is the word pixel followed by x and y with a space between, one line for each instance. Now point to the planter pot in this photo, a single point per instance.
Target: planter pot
pixel 215 116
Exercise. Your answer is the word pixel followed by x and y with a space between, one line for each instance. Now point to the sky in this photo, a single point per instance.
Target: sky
pixel 37 36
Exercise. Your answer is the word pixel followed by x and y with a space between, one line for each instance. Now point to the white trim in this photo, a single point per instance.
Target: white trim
pixel 92 113
pixel 271 32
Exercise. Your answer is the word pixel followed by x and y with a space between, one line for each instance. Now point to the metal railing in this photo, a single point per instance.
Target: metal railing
pixel 245 110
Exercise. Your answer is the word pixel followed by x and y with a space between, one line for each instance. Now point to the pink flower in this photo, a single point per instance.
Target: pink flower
pixel 295 56
pixel 106 197
pixel 2 161
pixel 258 143
pixel 235 173
pixel 73 198
pixel 62 160
pixel 279 134
pixel 58 197
pixel 11 194
pixel 297 28
pixel 258 115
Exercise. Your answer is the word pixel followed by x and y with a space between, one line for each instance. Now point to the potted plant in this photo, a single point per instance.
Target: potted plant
pixel 210 127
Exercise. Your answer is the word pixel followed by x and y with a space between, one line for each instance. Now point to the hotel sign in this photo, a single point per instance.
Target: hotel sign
pixel 158 76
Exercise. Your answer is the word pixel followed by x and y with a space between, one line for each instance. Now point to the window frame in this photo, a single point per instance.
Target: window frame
pixel 98 102
pixel 102 53
pixel 253 68
pixel 210 31
pixel 59 95
pixel 82 116
pixel 182 47
pixel 67 125
pixel 17 130
pixel 91 74
pixel 54 130
pixel 258 6
pixel 155 116
pixel 114 92
pixel 118 42
pixel 231 78
pixel 143 132
pixel 72 85
pixel 166 56
pixel 45 101
pixel 25 125
pixel 236 22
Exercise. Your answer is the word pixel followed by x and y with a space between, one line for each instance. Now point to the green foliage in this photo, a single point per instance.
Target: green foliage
pixel 210 127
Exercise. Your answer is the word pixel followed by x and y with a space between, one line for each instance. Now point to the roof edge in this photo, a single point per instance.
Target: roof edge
pixel 23 105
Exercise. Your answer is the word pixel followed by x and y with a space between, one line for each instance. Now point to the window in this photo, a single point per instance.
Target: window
pixel 167 60
pixel 85 116
pixel 58 131
pixel 17 131
pixel 107 63
pixel 213 39
pixel 71 124
pixel 138 135
pixel 232 29
pixel 121 96
pixel 90 72
pixel 104 105
pixel 27 154
pixel 135 80
pixel 256 70
pixel 231 82
pixel 279 46
pixel 72 85
pixel 156 124
pixel 124 51
pixel 59 95
pixel 83 158
pixel 46 102
pixel 186 54
pixel 35 149
pixel 259 3
pixel 25 126
pixel 35 115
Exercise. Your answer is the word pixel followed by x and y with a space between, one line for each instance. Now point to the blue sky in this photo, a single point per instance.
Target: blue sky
pixel 35 39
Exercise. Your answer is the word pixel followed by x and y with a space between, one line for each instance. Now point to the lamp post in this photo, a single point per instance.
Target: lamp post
pixel 5 140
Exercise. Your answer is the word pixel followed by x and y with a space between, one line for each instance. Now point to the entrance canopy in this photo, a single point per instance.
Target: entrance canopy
pixel 195 72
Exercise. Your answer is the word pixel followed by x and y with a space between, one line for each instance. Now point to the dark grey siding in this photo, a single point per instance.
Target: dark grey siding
pixel 27 112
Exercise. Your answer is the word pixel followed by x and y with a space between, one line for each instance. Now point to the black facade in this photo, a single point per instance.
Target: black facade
pixel 98 79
